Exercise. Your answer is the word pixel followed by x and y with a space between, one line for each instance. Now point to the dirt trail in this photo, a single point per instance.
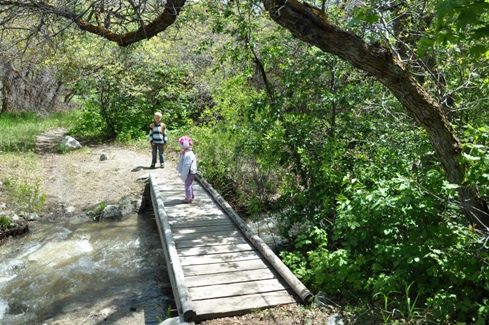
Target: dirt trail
pixel 77 181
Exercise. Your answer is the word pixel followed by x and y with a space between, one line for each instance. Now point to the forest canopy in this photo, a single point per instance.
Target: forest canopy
pixel 361 125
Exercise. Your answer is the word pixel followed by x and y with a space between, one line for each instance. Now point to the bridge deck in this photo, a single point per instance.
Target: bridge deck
pixel 218 267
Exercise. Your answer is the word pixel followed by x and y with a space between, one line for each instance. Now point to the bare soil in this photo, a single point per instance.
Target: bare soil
pixel 78 181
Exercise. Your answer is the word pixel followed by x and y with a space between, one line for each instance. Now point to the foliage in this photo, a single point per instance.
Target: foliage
pixel 398 237
pixel 225 150
pixel 280 125
pixel 463 20
pixel 461 23
pixel 121 98
pixel 476 148
pixel 26 194
pixel 28 83
pixel 99 211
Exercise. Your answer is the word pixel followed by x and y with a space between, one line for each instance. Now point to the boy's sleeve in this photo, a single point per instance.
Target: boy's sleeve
pixel 165 139
pixel 150 133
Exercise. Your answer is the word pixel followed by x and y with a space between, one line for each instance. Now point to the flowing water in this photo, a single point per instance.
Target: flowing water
pixel 78 270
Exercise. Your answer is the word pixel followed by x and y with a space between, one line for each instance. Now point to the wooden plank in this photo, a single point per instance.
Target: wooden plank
pixel 218 258
pixel 230 277
pixel 210 241
pixel 200 216
pixel 229 306
pixel 236 289
pixel 180 223
pixel 223 267
pixel 214 235
pixel 215 249
pixel 204 230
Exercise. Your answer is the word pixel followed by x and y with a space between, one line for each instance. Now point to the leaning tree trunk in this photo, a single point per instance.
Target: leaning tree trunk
pixel 310 25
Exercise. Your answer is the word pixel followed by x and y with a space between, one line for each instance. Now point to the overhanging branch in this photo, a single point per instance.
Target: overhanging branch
pixel 145 31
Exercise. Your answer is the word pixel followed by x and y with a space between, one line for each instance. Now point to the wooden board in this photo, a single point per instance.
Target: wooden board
pixel 214 235
pixel 229 258
pixel 230 277
pixel 210 241
pixel 235 289
pixel 204 230
pixel 222 307
pixel 215 249
pixel 190 223
pixel 224 267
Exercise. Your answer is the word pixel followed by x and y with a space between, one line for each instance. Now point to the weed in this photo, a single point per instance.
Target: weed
pixel 5 223
pixel 167 315
pixel 25 194
pixel 97 214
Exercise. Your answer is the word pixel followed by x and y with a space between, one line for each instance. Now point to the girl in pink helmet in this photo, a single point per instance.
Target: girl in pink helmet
pixel 187 167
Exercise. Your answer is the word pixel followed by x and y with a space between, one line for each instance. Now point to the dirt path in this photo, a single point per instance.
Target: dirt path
pixel 78 181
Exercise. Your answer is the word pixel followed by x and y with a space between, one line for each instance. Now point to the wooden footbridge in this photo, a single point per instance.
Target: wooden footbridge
pixel 218 267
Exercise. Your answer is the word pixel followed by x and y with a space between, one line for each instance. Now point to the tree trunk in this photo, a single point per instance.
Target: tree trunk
pixel 5 95
pixel 310 25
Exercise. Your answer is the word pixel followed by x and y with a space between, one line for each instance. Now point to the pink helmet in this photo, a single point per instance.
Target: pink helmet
pixel 185 142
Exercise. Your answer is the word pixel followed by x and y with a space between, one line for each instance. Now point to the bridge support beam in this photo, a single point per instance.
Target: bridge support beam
pixel 184 304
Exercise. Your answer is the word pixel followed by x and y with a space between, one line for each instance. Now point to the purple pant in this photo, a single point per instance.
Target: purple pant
pixel 189 190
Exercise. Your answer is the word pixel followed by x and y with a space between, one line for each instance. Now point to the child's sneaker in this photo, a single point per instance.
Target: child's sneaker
pixel 162 165
pixel 152 167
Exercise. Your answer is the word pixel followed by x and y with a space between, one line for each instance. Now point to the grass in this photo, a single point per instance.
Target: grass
pixel 20 171
pixel 19 131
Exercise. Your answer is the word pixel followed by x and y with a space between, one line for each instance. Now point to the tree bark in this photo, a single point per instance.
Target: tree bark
pixel 311 25
pixel 5 95
pixel 4 99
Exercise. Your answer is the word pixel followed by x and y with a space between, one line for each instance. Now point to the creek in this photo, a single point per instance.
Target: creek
pixel 73 270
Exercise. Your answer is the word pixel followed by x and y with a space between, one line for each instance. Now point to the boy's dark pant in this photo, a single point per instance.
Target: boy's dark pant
pixel 159 147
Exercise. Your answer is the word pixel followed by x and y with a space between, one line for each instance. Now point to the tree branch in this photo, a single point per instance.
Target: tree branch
pixel 145 31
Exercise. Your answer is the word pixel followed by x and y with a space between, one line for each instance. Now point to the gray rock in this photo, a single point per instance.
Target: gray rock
pixel 118 212
pixel 70 209
pixel 112 212
pixel 143 178
pixel 30 216
pixel 335 319
pixel 127 208
pixel 104 156
pixel 176 321
pixel 321 299
pixel 70 142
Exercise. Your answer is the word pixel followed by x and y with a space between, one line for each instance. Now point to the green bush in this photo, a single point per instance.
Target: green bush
pixel 121 102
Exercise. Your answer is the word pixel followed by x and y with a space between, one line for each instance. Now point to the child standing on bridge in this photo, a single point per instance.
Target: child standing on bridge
pixel 158 139
pixel 187 166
